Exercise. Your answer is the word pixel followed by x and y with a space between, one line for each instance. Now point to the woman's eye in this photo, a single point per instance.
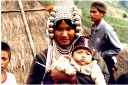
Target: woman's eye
pixel 59 29
pixel 68 29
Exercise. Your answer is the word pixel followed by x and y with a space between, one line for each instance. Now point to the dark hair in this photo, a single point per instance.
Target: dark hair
pixel 67 21
pixel 101 7
pixel 82 47
pixel 5 47
pixel 84 44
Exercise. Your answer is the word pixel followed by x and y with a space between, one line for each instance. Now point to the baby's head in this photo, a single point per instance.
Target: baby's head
pixel 82 54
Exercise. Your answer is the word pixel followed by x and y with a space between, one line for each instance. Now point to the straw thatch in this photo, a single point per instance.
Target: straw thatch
pixel 27 37
pixel 14 32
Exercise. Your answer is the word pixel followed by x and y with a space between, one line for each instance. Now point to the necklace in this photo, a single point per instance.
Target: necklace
pixel 66 50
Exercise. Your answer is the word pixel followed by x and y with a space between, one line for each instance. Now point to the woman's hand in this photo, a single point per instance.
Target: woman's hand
pixel 58 76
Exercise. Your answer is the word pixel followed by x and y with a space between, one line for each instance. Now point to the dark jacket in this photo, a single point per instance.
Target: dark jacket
pixel 105 40
pixel 36 75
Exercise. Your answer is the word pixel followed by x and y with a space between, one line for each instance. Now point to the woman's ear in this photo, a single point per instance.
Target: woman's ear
pixel 50 8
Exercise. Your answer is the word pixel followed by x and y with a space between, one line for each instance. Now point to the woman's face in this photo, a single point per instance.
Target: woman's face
pixel 64 34
pixel 4 60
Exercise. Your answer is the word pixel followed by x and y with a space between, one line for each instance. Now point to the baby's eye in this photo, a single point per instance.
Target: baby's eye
pixel 79 52
pixel 88 53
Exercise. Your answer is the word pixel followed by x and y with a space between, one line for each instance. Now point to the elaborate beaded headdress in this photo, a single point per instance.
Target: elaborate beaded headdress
pixel 64 9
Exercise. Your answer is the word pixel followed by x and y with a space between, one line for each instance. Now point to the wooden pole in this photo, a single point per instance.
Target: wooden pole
pixel 25 10
pixel 27 29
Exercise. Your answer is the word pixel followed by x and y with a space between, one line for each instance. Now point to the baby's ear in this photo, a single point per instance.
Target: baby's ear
pixel 94 51
pixel 49 8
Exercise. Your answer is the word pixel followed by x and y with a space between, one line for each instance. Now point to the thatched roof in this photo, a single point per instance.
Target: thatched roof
pixel 14 32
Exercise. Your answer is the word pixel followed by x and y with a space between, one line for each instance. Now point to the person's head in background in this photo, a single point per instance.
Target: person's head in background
pixel 82 55
pixel 5 56
pixel 98 10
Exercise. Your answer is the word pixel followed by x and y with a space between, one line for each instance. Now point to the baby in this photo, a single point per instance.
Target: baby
pixel 80 61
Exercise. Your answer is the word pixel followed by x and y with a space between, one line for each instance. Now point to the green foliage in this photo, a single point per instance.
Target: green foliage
pixel 84 6
pixel 125 15
pixel 85 18
pixel 51 2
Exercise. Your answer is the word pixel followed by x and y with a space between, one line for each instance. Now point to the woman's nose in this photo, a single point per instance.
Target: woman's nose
pixel 64 34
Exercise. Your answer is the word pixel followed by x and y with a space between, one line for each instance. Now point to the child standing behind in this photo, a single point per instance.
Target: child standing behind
pixel 6 77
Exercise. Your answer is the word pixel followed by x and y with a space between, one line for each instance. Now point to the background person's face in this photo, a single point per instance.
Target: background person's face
pixel 4 60
pixel 95 14
pixel 64 34
pixel 82 57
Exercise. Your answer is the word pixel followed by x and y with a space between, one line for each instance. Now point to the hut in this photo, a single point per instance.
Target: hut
pixel 23 25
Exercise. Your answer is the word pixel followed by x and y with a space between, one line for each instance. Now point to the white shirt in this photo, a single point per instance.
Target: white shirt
pixel 11 80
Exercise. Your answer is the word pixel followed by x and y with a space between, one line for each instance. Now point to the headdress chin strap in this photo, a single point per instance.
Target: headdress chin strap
pixel 64 9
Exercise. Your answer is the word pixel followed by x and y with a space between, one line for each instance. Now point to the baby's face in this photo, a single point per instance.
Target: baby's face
pixel 82 57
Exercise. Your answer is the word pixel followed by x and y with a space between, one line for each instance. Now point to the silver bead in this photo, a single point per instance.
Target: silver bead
pixel 77 18
pixel 75 13
pixel 52 19
pixel 77 23
pixel 51 35
pixel 77 34
pixel 52 13
pixel 78 28
pixel 50 30
pixel 50 24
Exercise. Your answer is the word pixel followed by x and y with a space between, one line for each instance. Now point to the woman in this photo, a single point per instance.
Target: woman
pixel 63 32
